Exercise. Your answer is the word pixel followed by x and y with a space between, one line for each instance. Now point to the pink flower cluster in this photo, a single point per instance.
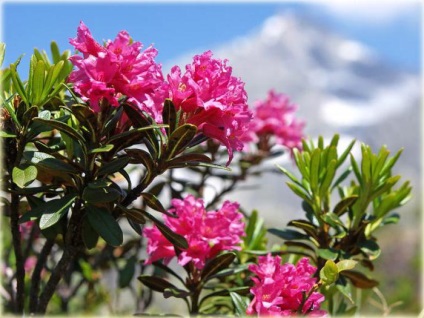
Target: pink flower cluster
pixel 274 116
pixel 212 99
pixel 279 289
pixel 207 232
pixel 207 94
pixel 116 69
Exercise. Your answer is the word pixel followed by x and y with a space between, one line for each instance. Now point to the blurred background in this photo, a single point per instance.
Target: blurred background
pixel 352 67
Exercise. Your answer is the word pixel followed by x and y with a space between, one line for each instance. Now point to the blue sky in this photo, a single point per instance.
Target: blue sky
pixel 392 29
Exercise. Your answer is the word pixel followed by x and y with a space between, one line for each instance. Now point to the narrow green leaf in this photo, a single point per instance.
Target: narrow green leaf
pixel 343 205
pixel 105 148
pixel 176 292
pixel 25 176
pixel 54 48
pixel 105 225
pixel 187 160
pixel 176 239
pixel 240 303
pixel 216 264
pixel 38 83
pixel 62 127
pixel 2 53
pixel 288 234
pixel 315 169
pixel 89 236
pixel 180 139
pixel 46 161
pixel 127 272
pixel 153 202
pixel 345 153
pixel 169 116
pixel 155 283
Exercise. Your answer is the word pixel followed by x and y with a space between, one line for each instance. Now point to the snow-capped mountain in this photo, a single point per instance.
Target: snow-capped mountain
pixel 339 85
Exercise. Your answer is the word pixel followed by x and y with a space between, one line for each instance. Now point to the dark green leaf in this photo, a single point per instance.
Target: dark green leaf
pixel 113 166
pixel 180 139
pixel 216 264
pixel 186 160
pixel 62 127
pixel 176 239
pixel 153 202
pixel 126 274
pixel 371 248
pixel 99 195
pixel 155 283
pixel 105 225
pixel 169 116
pixel 308 227
pixel 288 234
pixel 48 162
pixel 344 205
pixel 175 292
pixel 140 156
pixel 89 235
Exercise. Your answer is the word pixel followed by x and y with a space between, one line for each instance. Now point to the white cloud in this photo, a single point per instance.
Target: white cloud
pixel 378 12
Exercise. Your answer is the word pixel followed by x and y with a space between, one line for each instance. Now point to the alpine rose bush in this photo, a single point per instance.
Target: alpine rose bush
pixel 207 232
pixel 275 117
pixel 279 289
pixel 117 69
pixel 212 99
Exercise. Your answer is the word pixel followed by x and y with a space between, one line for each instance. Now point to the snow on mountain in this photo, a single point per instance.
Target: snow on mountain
pixel 340 86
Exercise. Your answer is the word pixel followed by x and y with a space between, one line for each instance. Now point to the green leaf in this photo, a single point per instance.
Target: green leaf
pixel 359 280
pixel 100 195
pixel 127 272
pixel 113 166
pixel 288 234
pixel 328 253
pixel 180 139
pixel 105 225
pixel 216 264
pixel 329 273
pixel 54 48
pixel 138 156
pixel 371 248
pixel 308 227
pixel 315 169
pixel 89 235
pixel 176 292
pixel 153 202
pixel 62 127
pixel 105 148
pixel 346 264
pixel 135 215
pixel 155 283
pixel 187 160
pixel 2 53
pixel 25 176
pixel 54 210
pixel 169 116
pixel 38 83
pixel 176 239
pixel 240 303
pixel 5 134
pixel 343 205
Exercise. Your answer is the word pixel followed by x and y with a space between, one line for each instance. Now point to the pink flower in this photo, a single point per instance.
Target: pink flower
pixel 212 99
pixel 279 289
pixel 117 69
pixel 275 117
pixel 207 232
